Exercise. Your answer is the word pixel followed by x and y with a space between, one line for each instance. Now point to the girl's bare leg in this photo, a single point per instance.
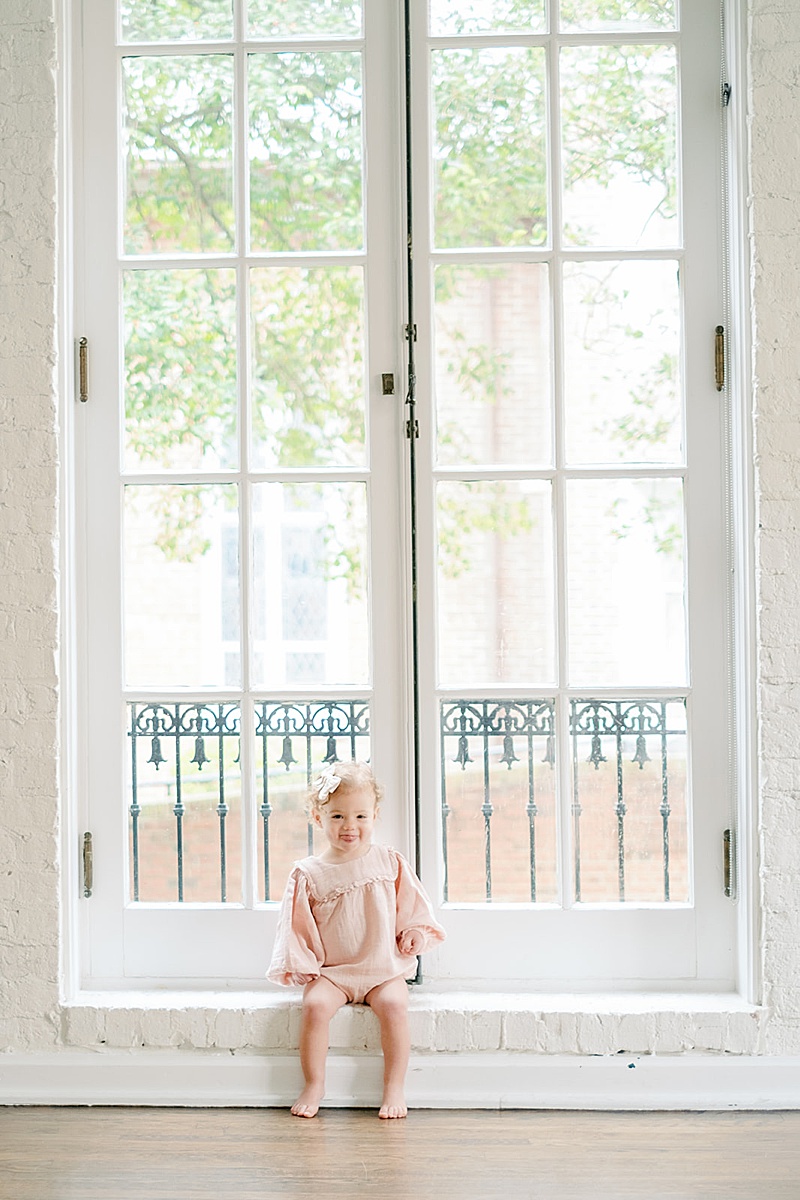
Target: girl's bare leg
pixel 321 999
pixel 389 1002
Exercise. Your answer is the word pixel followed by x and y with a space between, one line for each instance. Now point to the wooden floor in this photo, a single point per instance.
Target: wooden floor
pixel 250 1154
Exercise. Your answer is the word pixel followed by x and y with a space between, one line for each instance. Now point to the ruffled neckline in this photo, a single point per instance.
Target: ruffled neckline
pixel 327 881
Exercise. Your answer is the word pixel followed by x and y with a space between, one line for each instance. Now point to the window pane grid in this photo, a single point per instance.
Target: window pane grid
pixel 255 339
pixel 621 446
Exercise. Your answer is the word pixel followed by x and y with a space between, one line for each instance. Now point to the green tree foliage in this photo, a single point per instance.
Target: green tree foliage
pixel 182 363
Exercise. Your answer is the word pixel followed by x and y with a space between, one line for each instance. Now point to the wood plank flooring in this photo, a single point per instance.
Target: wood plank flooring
pixel 253 1154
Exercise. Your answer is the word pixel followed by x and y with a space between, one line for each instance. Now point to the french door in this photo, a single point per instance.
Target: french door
pixel 243 480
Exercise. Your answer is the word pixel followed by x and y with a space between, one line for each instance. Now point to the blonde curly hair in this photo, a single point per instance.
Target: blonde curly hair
pixel 345 775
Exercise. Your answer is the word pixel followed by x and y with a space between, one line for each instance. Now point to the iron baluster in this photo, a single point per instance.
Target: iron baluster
pixel 222 812
pixel 620 806
pixel 665 809
pixel 178 808
pixel 445 811
pixel 486 807
pixel 266 808
pixel 576 801
pixel 531 808
pixel 310 827
pixel 135 807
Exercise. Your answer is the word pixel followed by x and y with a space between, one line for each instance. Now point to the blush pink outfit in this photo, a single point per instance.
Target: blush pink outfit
pixel 342 920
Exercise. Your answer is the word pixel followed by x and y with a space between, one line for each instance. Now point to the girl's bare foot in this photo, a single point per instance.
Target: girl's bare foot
pixel 307 1103
pixel 393 1104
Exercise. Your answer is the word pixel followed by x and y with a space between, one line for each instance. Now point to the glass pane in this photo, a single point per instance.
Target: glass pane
pixel 305 151
pixel 308 366
pixel 625 563
pixel 181 586
pixel 611 15
pixel 490 164
pixel 310 618
pixel 176 20
pixel 179 154
pixel 622 362
pixel 493 364
pixel 450 17
pixel 499 811
pixel 185 792
pixel 294 742
pixel 495 583
pixel 630 830
pixel 180 369
pixel 293 18
pixel 618 111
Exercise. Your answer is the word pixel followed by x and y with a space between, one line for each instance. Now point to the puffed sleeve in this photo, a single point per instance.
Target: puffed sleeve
pixel 414 909
pixel 298 953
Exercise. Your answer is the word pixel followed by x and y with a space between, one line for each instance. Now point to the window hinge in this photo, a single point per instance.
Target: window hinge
pixel 727 861
pixel 411 333
pixel 88 865
pixel 719 357
pixel 83 369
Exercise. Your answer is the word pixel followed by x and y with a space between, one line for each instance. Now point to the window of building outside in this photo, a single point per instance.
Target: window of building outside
pixel 244 494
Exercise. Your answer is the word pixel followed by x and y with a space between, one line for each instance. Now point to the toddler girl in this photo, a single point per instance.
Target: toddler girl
pixel 352 921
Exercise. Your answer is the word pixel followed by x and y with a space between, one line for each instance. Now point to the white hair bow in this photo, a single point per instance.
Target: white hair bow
pixel 325 784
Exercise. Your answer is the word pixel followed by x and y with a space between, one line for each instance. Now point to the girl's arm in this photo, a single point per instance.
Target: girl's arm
pixel 416 927
pixel 298 953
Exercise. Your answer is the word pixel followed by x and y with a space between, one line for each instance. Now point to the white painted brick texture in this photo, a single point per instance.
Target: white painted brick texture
pixel 30 1016
pixel 28 524
pixel 775 186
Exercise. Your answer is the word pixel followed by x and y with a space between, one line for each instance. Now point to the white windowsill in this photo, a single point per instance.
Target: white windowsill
pixel 427 997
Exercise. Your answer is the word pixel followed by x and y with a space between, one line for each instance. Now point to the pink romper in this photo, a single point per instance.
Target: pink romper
pixel 342 920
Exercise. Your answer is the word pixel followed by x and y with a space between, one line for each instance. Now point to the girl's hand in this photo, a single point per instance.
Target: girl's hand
pixel 410 942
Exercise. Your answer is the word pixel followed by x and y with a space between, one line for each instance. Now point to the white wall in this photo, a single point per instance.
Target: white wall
pixel 775 241
pixel 30 1014
pixel 28 529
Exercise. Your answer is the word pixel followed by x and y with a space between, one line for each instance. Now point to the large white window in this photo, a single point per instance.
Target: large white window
pixel 544 655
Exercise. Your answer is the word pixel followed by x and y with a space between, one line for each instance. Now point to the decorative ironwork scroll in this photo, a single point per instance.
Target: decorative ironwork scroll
pixel 523 729
pixel 309 734
pixel 608 725
pixel 179 728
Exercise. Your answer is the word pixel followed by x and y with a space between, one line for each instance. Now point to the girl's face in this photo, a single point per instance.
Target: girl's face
pixel 347 820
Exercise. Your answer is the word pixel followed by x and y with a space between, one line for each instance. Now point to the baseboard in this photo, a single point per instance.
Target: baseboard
pixel 491 1081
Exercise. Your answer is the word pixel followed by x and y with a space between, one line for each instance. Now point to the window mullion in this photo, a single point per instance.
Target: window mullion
pixel 249 828
pixel 565 825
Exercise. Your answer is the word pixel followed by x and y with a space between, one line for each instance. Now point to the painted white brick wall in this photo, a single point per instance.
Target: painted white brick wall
pixel 28 525
pixel 30 1015
pixel 775 186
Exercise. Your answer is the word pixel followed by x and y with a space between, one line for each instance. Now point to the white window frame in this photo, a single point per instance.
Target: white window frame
pixel 612 945
pixel 150 942
pixel 589 934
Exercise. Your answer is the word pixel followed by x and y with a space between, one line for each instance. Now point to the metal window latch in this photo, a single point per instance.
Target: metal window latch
pixel 83 369
pixel 719 357
pixel 387 383
pixel 412 428
pixel 88 865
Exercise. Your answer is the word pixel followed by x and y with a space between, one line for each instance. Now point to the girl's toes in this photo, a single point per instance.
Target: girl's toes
pixel 390 1112
pixel 305 1110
